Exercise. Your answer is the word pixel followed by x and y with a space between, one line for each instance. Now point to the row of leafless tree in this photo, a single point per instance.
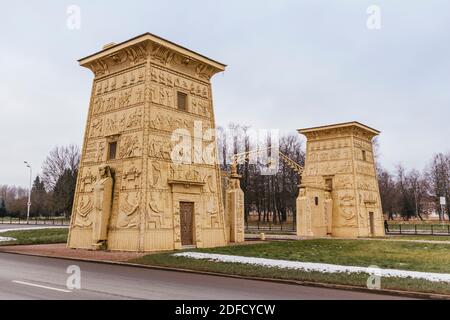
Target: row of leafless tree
pixel 270 187
pixel 52 192
pixel 416 194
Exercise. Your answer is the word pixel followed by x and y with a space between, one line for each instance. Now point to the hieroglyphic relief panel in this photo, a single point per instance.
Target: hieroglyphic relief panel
pixel 128 213
pixel 120 81
pixel 131 175
pixel 130 145
pixel 340 143
pixel 123 121
pixel 165 85
pixel 211 219
pixel 84 202
pixel 362 144
pixel 330 155
pixel 329 168
pixel 83 209
pixel 364 183
pixel 119 91
pixel 343 182
pixel 162 120
pixel 119 100
pixel 347 208
pixel 365 168
pixel 158 210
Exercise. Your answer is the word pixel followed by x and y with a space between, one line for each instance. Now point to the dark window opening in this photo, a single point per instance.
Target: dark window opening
pixel 182 101
pixel 364 156
pixel 112 150
pixel 316 200
pixel 329 183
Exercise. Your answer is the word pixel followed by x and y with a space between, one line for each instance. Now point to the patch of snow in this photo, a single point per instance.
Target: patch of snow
pixel 319 267
pixel 5 239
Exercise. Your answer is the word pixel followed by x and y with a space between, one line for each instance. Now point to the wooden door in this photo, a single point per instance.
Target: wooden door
pixel 187 223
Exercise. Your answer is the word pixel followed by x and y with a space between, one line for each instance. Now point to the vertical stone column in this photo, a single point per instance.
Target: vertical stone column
pixel 328 212
pixel 304 224
pixel 235 206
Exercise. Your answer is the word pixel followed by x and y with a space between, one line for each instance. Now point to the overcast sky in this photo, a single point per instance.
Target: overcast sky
pixel 291 64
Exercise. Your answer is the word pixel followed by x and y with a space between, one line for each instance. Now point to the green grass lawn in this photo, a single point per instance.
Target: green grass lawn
pixel 384 254
pixel 41 236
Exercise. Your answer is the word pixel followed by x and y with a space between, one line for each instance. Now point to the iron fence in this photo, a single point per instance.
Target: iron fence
pixel 55 221
pixel 412 229
pixel 270 227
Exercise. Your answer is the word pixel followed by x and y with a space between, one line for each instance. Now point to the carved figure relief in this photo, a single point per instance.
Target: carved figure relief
pixel 90 152
pixel 210 186
pixel 128 216
pixel 156 207
pixel 176 222
pixel 344 182
pixel 103 190
pixel 100 152
pixel 167 79
pixel 84 209
pixel 120 81
pixel 156 176
pixel 96 128
pixel 131 177
pixel 212 212
pixel 184 173
pixel 160 148
pixel 130 147
pixel 87 181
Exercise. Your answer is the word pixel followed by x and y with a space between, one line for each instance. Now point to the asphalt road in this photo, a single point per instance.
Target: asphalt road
pixel 27 277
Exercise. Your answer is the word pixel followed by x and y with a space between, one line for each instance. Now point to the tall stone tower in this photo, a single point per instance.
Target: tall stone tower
pixel 148 178
pixel 339 194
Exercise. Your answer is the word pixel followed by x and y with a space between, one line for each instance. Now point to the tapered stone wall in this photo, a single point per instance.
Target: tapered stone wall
pixel 135 110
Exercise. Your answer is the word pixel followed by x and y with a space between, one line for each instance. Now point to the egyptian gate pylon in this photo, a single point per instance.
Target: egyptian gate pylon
pixel 339 194
pixel 130 195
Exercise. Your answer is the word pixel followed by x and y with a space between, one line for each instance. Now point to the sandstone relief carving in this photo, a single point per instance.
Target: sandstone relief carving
pixel 212 211
pixel 184 173
pixel 120 122
pixel 156 210
pixel 103 190
pixel 128 216
pixel 119 99
pixel 130 147
pixel 87 181
pixel 96 128
pixel 84 209
pixel 131 178
pixel 120 81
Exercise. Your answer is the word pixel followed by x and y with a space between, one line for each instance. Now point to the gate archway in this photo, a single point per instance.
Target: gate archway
pixel 279 213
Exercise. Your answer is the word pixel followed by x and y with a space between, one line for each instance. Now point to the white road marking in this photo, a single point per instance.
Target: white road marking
pixel 40 286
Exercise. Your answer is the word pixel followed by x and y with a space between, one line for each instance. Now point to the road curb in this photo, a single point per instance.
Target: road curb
pixel 408 294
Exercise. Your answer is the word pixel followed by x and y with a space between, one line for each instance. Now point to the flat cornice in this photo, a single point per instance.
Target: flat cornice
pixel 153 38
pixel 340 125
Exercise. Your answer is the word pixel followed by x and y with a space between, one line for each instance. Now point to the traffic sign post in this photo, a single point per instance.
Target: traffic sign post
pixel 443 202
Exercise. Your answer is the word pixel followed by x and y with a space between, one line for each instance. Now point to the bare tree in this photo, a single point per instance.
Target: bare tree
pixel 58 161
pixel 388 192
pixel 438 174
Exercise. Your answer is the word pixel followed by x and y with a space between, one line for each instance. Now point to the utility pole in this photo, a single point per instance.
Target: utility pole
pixel 29 192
